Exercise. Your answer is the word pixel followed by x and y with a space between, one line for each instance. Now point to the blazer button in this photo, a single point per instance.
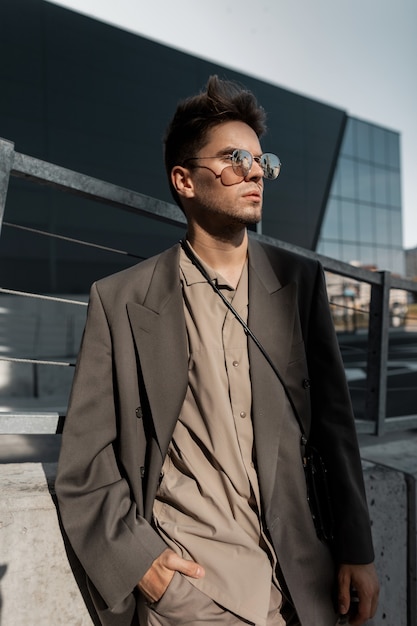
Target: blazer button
pixel 139 413
pixel 306 383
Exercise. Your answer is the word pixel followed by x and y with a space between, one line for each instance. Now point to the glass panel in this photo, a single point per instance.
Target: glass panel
pixel 383 258
pixel 367 256
pixel 366 223
pixel 335 188
pixel 383 226
pixel 378 140
pixel 363 141
pixel 330 228
pixel 349 253
pixel 394 188
pixel 398 261
pixel 349 221
pixel 348 138
pixel 347 178
pixel 331 249
pixel 320 247
pixel 381 185
pixel 365 182
pixel 396 228
pixel 393 149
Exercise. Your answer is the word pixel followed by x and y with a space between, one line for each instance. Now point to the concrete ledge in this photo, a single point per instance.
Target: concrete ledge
pixel 396 452
pixel 38 572
pixel 37 584
pixel 35 423
pixel 386 491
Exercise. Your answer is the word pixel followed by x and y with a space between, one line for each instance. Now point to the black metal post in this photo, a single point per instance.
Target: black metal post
pixel 6 164
pixel 377 368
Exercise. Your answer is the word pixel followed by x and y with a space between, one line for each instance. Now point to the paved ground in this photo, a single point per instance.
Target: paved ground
pixel 395 450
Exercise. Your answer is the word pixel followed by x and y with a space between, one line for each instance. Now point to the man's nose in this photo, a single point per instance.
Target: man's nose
pixel 256 172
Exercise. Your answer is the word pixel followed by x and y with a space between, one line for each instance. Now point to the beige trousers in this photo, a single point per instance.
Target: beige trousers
pixel 184 605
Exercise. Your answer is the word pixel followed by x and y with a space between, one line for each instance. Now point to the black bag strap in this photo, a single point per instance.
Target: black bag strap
pixel 190 254
pixel 318 495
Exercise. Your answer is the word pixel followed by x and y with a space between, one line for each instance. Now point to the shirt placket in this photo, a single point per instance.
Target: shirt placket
pixel 237 367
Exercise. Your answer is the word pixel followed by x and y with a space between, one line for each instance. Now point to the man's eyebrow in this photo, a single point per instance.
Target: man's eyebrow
pixel 225 151
pixel 230 149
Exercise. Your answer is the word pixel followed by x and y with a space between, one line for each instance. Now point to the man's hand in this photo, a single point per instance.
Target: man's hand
pixel 156 580
pixel 364 580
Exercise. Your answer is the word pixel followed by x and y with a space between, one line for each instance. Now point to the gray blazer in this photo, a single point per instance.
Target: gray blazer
pixel 128 390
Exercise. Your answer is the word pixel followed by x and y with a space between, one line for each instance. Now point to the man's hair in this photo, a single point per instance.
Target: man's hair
pixel 222 101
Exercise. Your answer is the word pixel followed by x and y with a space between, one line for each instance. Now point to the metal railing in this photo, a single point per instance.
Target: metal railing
pixel 15 164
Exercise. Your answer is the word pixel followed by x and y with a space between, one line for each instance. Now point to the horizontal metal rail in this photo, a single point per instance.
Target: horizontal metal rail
pixel 41 172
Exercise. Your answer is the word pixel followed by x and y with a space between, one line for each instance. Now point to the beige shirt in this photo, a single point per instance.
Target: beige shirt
pixel 208 503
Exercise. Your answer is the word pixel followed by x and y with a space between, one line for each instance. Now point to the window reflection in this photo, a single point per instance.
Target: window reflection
pixel 347 178
pixel 379 136
pixel 363 141
pixel 365 180
pixel 381 180
pixel 362 220
pixel 348 147
pixel 394 188
pixel 349 220
pixel 366 231
pixel 332 220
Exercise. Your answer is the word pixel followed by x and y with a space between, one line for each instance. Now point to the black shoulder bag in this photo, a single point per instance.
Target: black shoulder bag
pixel 318 494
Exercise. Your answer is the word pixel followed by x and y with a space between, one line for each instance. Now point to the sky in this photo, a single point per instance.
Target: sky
pixel 358 55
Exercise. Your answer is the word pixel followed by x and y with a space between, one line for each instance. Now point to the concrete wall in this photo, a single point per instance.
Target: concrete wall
pixel 386 490
pixel 393 509
pixel 37 584
pixel 38 575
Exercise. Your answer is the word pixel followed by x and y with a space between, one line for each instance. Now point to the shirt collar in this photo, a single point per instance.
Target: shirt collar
pixel 192 275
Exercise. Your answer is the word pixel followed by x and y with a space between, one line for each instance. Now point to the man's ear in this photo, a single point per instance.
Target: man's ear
pixel 182 181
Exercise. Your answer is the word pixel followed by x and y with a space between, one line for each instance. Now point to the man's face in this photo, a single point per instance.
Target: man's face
pixel 220 197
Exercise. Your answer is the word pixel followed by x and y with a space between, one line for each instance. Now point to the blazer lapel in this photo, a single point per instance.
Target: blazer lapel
pixel 272 309
pixel 158 327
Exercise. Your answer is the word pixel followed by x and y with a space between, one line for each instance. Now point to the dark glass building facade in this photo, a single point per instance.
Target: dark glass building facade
pixel 96 99
pixel 363 220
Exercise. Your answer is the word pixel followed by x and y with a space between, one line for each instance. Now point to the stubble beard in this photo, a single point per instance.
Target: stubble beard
pixel 231 225
pixel 229 222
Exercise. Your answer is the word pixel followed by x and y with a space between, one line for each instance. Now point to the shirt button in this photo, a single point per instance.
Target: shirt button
pixel 242 414
pixel 235 363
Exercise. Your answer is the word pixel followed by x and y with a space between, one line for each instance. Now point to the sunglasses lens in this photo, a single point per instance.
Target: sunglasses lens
pixel 271 165
pixel 241 162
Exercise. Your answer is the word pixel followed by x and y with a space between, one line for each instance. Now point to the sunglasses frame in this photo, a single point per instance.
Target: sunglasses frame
pixel 237 158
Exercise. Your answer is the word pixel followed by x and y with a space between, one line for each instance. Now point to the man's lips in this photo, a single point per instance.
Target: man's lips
pixel 254 193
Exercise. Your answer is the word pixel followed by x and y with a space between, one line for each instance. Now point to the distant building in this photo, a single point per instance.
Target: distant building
pixel 411 263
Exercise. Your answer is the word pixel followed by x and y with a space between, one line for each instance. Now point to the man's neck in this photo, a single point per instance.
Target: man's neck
pixel 226 256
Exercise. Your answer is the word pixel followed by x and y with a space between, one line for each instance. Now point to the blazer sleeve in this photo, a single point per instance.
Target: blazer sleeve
pixel 334 434
pixel 114 544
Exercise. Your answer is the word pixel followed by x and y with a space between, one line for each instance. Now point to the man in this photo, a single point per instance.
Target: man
pixel 181 481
